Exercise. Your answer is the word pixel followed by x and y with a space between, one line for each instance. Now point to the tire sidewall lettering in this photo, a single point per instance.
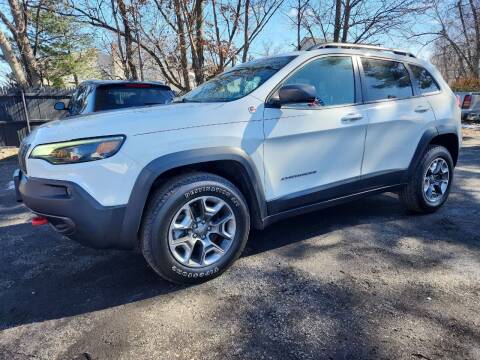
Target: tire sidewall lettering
pixel 194 274
pixel 215 189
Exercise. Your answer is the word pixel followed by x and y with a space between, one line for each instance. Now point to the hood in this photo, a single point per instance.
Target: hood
pixel 132 121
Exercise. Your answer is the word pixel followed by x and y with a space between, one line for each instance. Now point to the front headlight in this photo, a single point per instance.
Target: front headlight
pixel 77 151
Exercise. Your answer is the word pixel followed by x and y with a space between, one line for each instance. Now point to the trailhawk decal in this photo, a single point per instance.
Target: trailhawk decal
pixel 298 175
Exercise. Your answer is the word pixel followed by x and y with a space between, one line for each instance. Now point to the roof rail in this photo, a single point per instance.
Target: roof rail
pixel 360 46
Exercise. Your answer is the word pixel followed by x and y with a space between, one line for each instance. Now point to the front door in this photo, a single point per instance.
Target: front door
pixel 313 150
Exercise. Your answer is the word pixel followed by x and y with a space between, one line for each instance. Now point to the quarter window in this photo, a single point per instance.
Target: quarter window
pixel 424 80
pixel 386 79
pixel 332 77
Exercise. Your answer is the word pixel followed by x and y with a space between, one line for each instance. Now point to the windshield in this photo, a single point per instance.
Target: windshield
pixel 237 82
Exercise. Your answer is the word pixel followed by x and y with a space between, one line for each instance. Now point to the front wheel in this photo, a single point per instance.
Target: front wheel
pixel 429 186
pixel 194 228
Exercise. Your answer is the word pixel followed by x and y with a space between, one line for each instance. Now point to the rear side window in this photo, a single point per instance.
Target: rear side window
pixel 386 79
pixel 78 103
pixel 424 80
pixel 332 77
pixel 129 95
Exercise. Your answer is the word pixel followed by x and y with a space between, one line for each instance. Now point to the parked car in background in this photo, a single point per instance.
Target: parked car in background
pixel 99 95
pixel 470 104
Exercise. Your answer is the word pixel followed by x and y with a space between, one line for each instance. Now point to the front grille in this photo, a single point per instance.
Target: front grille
pixel 22 156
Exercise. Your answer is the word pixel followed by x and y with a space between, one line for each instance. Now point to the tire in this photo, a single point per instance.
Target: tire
pixel 413 195
pixel 191 197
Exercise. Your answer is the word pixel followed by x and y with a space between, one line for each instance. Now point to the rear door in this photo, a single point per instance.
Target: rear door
pixel 397 118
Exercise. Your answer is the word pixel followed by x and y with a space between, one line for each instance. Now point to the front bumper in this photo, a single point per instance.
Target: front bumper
pixel 73 212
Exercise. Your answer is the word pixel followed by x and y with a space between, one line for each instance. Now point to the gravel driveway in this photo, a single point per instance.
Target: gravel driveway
pixel 362 280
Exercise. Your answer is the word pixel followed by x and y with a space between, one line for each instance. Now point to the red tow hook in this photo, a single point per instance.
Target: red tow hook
pixel 39 220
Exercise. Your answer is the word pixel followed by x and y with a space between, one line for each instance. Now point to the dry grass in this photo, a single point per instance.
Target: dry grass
pixel 474 133
pixel 6 152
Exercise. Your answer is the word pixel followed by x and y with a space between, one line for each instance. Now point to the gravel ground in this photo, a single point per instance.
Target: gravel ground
pixel 362 280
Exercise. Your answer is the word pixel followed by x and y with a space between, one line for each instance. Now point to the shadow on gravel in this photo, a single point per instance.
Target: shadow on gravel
pixel 45 277
pixel 291 315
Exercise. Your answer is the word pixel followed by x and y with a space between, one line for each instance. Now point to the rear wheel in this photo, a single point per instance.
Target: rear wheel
pixel 430 184
pixel 194 228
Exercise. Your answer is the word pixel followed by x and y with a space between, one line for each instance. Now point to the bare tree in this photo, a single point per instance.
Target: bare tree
pixel 181 36
pixel 127 32
pixel 358 21
pixel 12 60
pixel 19 29
pixel 455 35
pixel 297 16
pixel 119 41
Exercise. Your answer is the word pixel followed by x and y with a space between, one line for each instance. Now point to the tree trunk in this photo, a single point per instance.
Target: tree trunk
pixel 137 33
pixel 24 43
pixel 299 23
pixel 337 26
pixel 199 42
pixel 126 73
pixel 12 60
pixel 476 60
pixel 182 42
pixel 221 56
pixel 346 21
pixel 129 54
pixel 246 40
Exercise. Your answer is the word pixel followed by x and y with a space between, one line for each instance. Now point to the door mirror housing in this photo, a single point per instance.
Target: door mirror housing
pixel 60 106
pixel 296 94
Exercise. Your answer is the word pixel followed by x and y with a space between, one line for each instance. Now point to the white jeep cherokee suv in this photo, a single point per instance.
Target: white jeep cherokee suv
pixel 271 138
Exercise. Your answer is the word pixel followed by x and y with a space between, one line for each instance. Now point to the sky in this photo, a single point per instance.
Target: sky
pixel 280 35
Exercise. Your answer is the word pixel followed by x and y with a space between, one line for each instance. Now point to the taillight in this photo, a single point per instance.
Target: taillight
pixel 467 101
pixel 458 101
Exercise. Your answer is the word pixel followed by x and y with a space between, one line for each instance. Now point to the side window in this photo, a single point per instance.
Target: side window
pixel 386 79
pixel 332 77
pixel 424 80
pixel 79 100
pixel 85 97
pixel 76 101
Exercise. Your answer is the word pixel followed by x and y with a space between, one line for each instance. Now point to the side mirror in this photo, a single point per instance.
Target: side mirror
pixel 60 106
pixel 297 94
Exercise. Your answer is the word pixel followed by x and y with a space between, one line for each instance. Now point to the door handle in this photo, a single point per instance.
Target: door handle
pixel 421 109
pixel 352 117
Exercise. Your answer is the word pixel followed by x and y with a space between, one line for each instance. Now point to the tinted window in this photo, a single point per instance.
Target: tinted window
pixel 237 82
pixel 129 95
pixel 424 81
pixel 332 77
pixel 386 79
pixel 77 100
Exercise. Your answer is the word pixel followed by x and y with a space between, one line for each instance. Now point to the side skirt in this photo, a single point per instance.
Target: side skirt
pixel 333 194
pixel 325 204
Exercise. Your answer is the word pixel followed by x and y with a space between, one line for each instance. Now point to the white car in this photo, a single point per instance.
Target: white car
pixel 271 138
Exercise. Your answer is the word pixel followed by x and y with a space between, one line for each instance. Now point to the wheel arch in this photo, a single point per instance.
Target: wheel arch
pixel 449 141
pixel 231 163
pixel 446 136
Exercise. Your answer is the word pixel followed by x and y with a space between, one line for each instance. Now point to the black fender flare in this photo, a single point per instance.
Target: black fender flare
pixel 425 140
pixel 154 169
